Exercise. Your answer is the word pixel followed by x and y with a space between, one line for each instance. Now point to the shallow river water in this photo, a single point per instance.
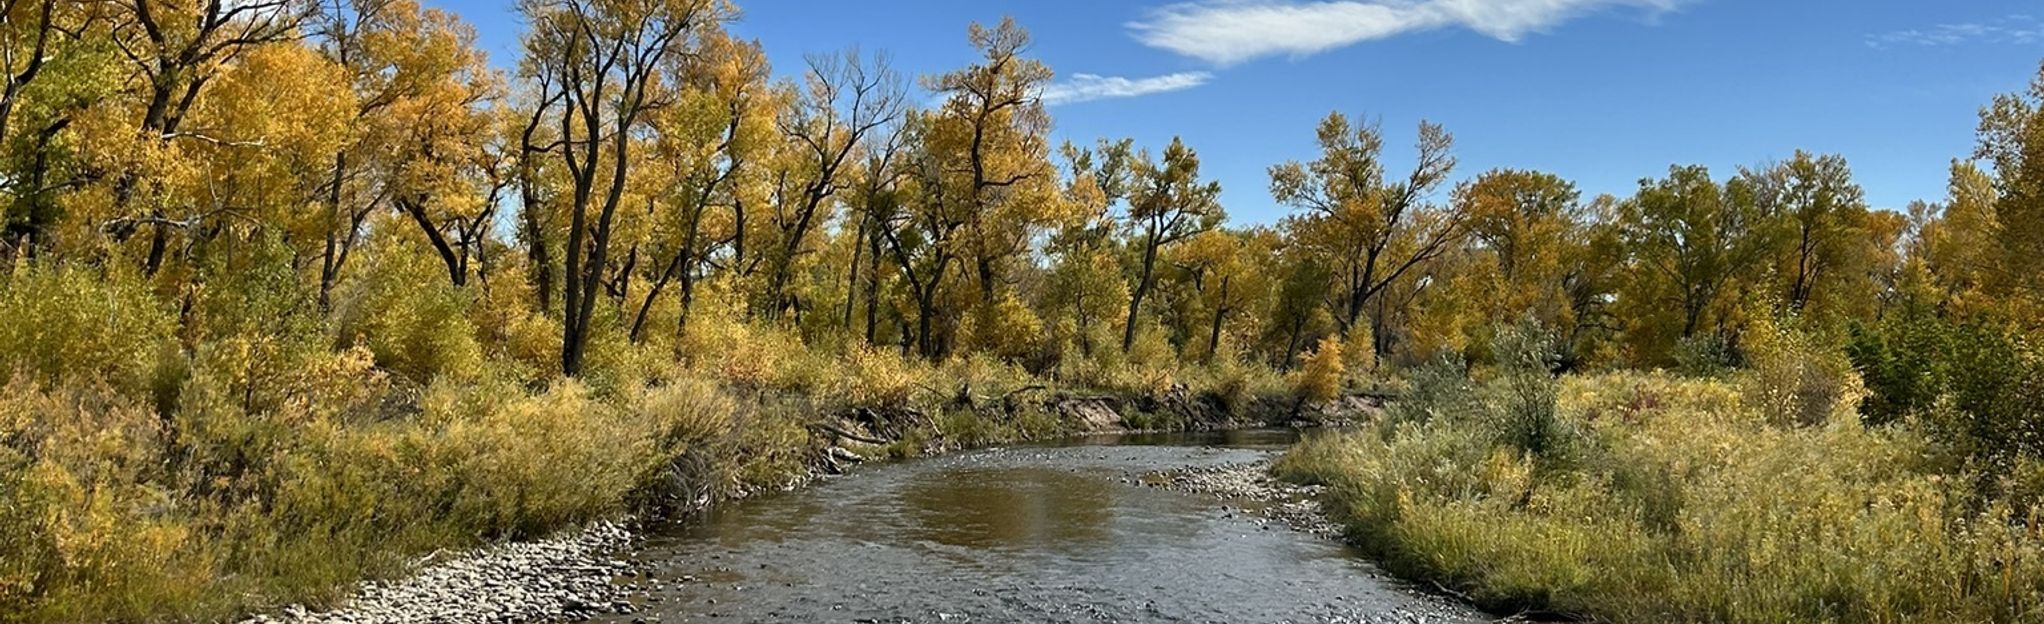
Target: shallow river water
pixel 1063 533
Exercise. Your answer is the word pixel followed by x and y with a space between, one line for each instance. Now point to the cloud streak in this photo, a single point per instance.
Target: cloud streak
pixel 2014 29
pixel 1089 87
pixel 1225 32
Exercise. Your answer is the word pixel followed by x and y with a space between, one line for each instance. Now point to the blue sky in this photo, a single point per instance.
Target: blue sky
pixel 1602 92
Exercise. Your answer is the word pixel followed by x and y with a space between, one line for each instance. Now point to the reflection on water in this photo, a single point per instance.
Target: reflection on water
pixel 1009 508
pixel 1053 533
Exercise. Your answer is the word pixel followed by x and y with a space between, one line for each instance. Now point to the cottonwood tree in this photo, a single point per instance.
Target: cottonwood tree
pixel 603 56
pixel 872 195
pixel 1959 247
pixel 29 32
pixel 1690 239
pixel 1371 230
pixel 846 100
pixel 1530 225
pixel 1229 279
pixel 175 48
pixel 426 132
pixel 1823 217
pixel 1167 203
pixel 719 126
pixel 2011 137
pixel 921 227
pixel 1085 278
pixel 433 124
pixel 56 69
pixel 989 140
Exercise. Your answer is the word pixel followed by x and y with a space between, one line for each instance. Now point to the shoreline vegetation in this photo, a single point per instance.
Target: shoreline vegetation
pixel 293 293
pixel 339 470
pixel 1751 496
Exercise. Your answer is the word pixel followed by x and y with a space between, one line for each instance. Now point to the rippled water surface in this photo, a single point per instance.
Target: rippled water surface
pixel 1029 534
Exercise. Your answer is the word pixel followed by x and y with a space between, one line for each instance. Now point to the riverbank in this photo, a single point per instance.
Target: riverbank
pixel 1636 497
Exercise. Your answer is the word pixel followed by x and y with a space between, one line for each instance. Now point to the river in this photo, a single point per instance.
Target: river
pixel 1053 533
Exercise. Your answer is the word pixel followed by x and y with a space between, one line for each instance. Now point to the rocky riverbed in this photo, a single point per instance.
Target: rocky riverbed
pixel 570 577
pixel 1250 484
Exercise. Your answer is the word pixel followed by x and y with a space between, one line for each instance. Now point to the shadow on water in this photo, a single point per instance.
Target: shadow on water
pixel 1058 532
pixel 1268 438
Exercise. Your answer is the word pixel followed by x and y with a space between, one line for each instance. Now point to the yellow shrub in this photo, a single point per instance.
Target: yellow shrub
pixel 64 323
pixel 1795 379
pixel 686 414
pixel 1319 378
pixel 1008 329
pixel 87 535
pixel 408 314
pixel 874 377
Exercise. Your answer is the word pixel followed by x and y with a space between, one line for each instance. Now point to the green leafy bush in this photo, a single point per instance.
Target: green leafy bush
pixel 1797 378
pixel 72 324
pixel 403 309
pixel 1901 358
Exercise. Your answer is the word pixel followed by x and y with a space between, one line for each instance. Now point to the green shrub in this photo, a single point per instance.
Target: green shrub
pixel 1520 403
pixel 1706 355
pixel 65 324
pixel 1976 387
pixel 1901 358
pixel 404 310
pixel 1440 388
pixel 1996 399
pixel 1796 378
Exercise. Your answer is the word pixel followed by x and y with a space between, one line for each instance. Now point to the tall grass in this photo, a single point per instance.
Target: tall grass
pixel 1759 498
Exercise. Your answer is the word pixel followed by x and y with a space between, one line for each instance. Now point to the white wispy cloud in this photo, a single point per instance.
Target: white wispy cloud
pixel 1088 87
pixel 2015 29
pixel 1231 31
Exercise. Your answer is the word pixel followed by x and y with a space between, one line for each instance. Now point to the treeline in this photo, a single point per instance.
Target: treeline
pixel 641 167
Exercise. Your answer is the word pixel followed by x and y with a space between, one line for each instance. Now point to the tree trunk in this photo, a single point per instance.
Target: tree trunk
pixel 329 265
pixel 1135 301
pixel 852 282
pixel 1220 314
pixel 872 284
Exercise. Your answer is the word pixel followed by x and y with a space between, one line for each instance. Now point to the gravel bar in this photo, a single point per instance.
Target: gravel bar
pixel 570 577
pixel 1269 498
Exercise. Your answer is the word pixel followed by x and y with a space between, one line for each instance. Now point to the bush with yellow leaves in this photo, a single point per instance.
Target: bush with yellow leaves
pixel 404 310
pixel 77 324
pixel 1797 378
pixel 1320 375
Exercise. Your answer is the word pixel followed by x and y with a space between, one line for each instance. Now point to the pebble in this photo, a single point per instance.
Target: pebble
pixel 566 578
pixel 1294 505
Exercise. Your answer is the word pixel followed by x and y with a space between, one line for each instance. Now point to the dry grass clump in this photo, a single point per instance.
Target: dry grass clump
pixel 1684 500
